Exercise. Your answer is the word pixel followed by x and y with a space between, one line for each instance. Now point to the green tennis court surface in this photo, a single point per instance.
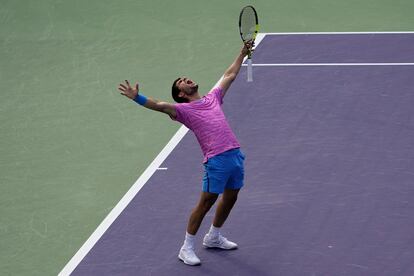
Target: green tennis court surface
pixel 70 145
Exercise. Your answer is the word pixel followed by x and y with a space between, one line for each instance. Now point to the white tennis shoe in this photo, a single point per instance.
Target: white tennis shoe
pixel 188 256
pixel 218 242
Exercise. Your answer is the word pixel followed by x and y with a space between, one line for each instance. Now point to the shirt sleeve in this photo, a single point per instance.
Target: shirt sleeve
pixel 180 113
pixel 218 94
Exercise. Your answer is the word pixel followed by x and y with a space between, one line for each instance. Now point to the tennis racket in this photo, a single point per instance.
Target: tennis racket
pixel 249 27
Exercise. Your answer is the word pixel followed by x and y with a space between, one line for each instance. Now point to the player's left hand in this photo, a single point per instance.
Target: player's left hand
pixel 128 91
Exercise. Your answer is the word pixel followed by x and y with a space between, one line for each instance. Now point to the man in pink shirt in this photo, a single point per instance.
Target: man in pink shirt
pixel 223 160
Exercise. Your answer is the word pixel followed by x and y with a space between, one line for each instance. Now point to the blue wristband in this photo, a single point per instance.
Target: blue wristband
pixel 140 99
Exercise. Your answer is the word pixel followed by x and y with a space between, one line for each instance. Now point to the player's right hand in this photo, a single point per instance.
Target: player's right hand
pixel 247 47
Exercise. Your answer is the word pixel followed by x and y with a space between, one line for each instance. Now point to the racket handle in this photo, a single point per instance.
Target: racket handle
pixel 249 70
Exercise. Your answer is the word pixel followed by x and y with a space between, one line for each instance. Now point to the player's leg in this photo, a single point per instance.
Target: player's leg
pixel 224 206
pixel 235 182
pixel 214 238
pixel 197 215
pixel 187 254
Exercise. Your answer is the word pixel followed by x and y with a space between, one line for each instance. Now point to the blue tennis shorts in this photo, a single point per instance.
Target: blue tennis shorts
pixel 224 171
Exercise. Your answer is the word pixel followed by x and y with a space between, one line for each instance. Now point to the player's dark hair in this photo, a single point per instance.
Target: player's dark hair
pixel 175 91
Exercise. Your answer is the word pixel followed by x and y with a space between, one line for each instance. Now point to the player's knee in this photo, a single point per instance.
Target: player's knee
pixel 206 203
pixel 230 196
pixel 231 200
pixel 204 208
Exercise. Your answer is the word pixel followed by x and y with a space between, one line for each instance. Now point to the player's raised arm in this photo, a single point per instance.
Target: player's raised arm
pixel 133 94
pixel 231 73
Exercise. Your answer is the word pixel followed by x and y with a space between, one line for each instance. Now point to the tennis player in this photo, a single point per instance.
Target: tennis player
pixel 223 160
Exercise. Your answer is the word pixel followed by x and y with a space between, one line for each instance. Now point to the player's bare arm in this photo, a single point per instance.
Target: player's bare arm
pixel 231 73
pixel 132 93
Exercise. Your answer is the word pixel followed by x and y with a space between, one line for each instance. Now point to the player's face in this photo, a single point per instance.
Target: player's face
pixel 187 86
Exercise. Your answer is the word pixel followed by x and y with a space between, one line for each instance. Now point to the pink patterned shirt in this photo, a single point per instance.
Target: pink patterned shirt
pixel 206 119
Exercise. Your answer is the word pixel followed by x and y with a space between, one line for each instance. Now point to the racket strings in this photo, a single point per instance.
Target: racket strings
pixel 248 24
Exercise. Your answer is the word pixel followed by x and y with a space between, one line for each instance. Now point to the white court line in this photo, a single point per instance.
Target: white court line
pixel 129 196
pixel 328 64
pixel 259 39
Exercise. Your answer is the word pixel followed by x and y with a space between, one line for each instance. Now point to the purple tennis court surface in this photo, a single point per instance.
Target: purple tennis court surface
pixel 329 171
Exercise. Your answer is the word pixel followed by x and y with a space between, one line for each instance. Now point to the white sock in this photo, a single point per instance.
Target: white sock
pixel 189 240
pixel 214 231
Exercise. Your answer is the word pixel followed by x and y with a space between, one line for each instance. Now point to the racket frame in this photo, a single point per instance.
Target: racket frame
pixel 249 54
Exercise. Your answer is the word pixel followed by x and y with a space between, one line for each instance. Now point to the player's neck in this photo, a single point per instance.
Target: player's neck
pixel 194 97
